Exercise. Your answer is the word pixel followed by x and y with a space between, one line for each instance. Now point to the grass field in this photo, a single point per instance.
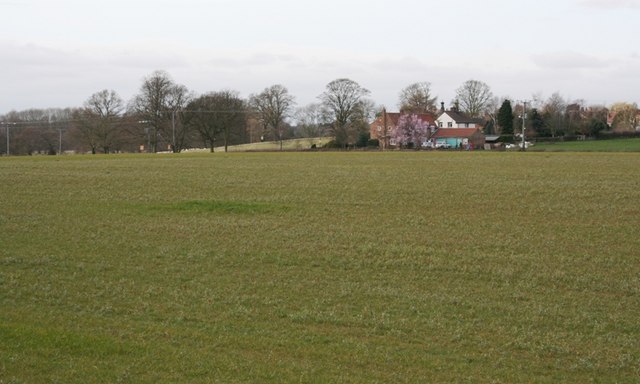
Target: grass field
pixel 320 267
pixel 287 145
pixel 613 145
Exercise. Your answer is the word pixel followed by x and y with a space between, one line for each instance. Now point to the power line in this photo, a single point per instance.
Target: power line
pixel 120 117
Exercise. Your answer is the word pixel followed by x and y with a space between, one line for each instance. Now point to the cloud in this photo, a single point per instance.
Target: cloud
pixel 259 59
pixel 611 4
pixel 405 64
pixel 31 55
pixel 36 75
pixel 568 60
pixel 40 77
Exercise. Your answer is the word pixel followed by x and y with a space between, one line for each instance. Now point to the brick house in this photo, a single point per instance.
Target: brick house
pixel 383 127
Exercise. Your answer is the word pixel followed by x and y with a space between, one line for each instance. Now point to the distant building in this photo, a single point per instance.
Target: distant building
pixel 457 130
pixel 466 138
pixel 455 119
pixel 384 126
pixel 450 129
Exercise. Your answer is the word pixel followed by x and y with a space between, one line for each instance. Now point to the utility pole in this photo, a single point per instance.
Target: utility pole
pixel 385 138
pixel 524 118
pixel 173 125
pixel 60 142
pixel 7 125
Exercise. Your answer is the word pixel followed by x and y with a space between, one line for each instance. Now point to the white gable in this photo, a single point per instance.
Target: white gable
pixel 447 121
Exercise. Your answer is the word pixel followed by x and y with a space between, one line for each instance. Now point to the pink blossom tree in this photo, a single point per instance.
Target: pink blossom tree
pixel 411 131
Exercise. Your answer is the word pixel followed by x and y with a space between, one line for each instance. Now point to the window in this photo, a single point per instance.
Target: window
pixel 450 124
pixel 440 124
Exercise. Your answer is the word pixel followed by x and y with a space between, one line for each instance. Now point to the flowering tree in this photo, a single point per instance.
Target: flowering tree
pixel 411 131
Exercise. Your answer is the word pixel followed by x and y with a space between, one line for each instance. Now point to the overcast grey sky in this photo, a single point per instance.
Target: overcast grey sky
pixel 57 53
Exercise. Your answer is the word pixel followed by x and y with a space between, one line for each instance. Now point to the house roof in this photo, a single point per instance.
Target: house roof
pixel 393 117
pixel 460 117
pixel 446 133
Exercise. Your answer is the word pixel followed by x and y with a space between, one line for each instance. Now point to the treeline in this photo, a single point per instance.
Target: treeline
pixel 557 118
pixel 166 116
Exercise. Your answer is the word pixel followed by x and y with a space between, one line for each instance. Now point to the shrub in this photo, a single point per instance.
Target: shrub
pixel 506 139
pixel 333 144
pixel 363 139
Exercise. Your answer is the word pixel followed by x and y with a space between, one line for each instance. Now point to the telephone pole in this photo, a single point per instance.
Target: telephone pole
pixel 7 126
pixel 524 118
pixel 173 125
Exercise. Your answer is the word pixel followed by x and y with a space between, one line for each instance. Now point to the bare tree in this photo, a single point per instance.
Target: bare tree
pixel 474 97
pixel 575 117
pixel 217 114
pixel 417 98
pixel 554 113
pixel 97 122
pixel 537 101
pixel 626 117
pixel 273 105
pixel 152 105
pixel 597 116
pixel 364 113
pixel 343 98
pixel 312 120
pixel 40 130
pixel 493 106
pixel 200 116
pixel 177 100
pixel 30 132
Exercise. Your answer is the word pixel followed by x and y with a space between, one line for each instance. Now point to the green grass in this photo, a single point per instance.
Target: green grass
pixel 613 145
pixel 320 267
pixel 287 145
pixel 200 206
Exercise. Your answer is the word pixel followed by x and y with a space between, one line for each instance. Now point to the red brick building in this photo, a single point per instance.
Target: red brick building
pixel 383 127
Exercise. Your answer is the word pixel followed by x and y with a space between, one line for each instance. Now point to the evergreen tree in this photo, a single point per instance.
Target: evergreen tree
pixel 505 118
pixel 537 123
pixel 596 126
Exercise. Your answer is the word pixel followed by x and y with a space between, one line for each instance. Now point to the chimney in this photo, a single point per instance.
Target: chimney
pixel 442 106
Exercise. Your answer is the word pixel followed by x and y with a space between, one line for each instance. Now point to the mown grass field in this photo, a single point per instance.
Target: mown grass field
pixel 320 267
pixel 612 145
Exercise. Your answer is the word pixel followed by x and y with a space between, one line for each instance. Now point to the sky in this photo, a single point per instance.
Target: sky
pixel 57 53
